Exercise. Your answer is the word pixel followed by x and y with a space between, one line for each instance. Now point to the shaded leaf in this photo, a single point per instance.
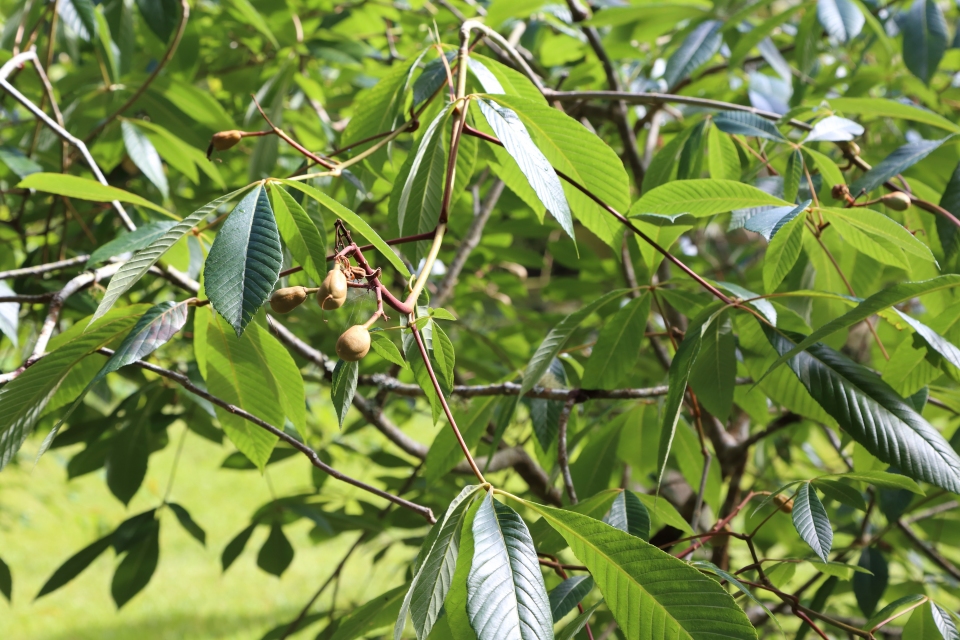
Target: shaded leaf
pixel 568 594
pixel 80 16
pixel 897 162
pixel 235 547
pixel 618 346
pixel 925 38
pixel 137 567
pixel 161 16
pixel 343 387
pixel 747 124
pixel 188 523
pixel 784 249
pixel 303 239
pixel 75 564
pixel 841 19
pixel 628 514
pixel 714 372
pixel 376 614
pixel 577 624
pixel 6 581
pixel 135 240
pixel 276 554
pixel 868 588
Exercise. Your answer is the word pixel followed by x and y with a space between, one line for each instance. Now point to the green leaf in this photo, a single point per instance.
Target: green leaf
pixel 188 523
pixel 584 158
pixel 757 34
pixel 592 469
pixel 18 162
pixel 924 624
pixel 496 77
pixel 841 19
pixel 126 462
pixel 161 16
pixel 884 108
pixel 83 189
pixel 253 18
pixel 421 181
pixel 300 234
pixel 376 614
pixel 747 124
pixel 783 251
pixel 811 521
pixel 897 162
pixel 933 340
pixel 628 514
pixel 868 588
pixel 235 547
pixel 695 51
pixel 354 222
pixel 882 480
pixel 276 554
pixel 661 167
pixel 141 262
pixel 879 301
pixel 577 624
pixel 80 16
pixel 666 12
pixel 557 337
pixel 344 387
pixel 380 108
pixel 925 38
pixel 714 373
pixel 714 569
pixel 568 594
pixel 944 622
pixel 828 168
pixel 506 595
pixel 873 414
pixel 618 346
pixel 244 261
pixel 24 399
pixel 135 240
pixel 445 451
pixel 792 176
pixel 722 157
pixel 238 372
pixel 510 130
pixel 137 567
pixel 444 355
pixel 702 198
pixel 432 580
pixel 145 156
pixel 842 493
pixel 651 593
pixel 946 229
pixel 75 564
pixel 6 581
pixel 381 343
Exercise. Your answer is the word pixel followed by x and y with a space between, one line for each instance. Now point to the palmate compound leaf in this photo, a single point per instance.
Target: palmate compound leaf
pixel 431 581
pixel 140 263
pixel 244 261
pixel 23 400
pixel 652 594
pixel 506 595
pixel 811 521
pixel 872 413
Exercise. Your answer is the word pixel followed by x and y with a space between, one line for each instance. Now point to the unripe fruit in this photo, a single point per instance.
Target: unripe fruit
pixel 898 201
pixel 333 290
pixel 783 503
pixel 287 299
pixel 225 139
pixel 354 343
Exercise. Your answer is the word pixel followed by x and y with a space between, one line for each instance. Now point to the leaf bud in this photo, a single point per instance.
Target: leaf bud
pixel 898 201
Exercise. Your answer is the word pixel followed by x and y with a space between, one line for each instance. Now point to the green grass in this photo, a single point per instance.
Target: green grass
pixel 44 519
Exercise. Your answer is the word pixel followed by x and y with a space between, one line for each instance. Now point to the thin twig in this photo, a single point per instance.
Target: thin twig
pixel 562 459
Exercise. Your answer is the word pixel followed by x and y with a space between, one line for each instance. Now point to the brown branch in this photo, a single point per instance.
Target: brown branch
pixel 311 455
pixel 44 268
pixel 562 459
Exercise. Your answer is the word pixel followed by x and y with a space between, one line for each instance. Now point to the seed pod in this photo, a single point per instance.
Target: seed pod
pixel 287 299
pixel 784 503
pixel 333 290
pixel 898 201
pixel 354 343
pixel 225 139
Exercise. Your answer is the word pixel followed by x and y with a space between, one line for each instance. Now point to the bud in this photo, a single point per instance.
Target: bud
pixel 287 299
pixel 354 343
pixel 784 503
pixel 333 290
pixel 898 201
pixel 226 139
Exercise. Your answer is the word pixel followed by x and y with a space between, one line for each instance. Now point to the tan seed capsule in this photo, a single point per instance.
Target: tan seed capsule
pixel 287 299
pixel 784 503
pixel 333 290
pixel 226 139
pixel 898 201
pixel 354 343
